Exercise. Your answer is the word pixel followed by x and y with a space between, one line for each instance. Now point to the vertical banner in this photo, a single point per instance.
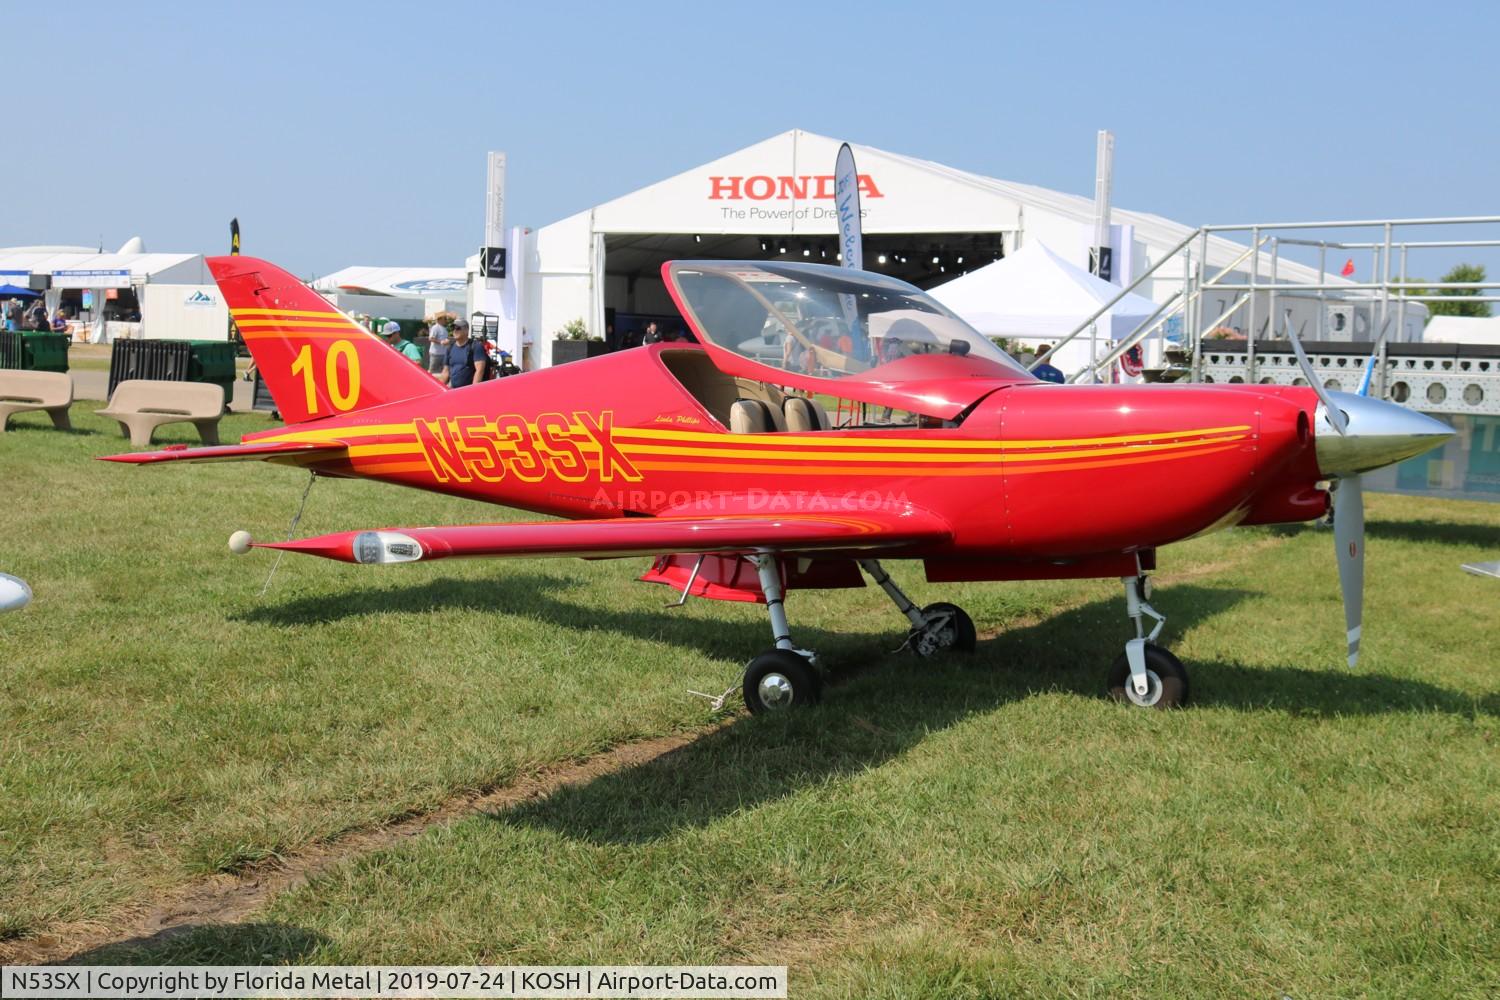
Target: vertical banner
pixel 851 240
pixel 1101 260
pixel 234 251
pixel 492 266
pixel 846 197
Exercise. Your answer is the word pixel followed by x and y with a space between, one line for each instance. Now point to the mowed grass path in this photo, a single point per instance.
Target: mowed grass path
pixel 974 828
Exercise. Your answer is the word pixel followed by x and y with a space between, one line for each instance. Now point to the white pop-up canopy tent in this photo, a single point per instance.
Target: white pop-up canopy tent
pixel 1035 296
pixel 407 282
pixel 418 292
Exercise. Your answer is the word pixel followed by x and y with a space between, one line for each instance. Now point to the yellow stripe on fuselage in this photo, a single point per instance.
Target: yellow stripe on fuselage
pixel 351 433
pixel 750 446
pixel 896 456
pixel 836 438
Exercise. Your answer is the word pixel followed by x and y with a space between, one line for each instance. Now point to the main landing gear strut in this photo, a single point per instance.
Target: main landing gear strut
pixel 784 676
pixel 787 676
pixel 1146 674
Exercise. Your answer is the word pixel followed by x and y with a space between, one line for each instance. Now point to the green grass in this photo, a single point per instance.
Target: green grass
pixel 981 827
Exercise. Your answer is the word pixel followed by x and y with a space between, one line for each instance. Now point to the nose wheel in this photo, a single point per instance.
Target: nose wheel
pixel 1146 675
pixel 1166 680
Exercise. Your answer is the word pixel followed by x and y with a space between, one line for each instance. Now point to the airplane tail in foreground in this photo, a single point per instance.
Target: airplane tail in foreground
pixel 316 361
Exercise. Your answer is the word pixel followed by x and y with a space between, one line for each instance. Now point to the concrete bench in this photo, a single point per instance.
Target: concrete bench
pixel 25 391
pixel 142 405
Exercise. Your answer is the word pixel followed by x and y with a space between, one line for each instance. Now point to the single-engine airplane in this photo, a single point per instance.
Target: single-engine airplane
pixel 719 459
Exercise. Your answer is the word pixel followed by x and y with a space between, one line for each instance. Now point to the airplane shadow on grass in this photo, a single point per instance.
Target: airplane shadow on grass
pixel 1068 651
pixel 878 703
pixel 877 711
pixel 552 601
pixel 210 944
pixel 1481 536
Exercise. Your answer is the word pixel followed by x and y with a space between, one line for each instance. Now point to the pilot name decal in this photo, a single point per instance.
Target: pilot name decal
pixel 462 449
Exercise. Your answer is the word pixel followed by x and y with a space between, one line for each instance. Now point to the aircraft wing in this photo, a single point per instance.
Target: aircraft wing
pixel 270 451
pixel 628 536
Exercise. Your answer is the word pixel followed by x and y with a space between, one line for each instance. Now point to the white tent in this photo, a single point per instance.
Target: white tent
pixel 1034 296
pixel 1463 330
pixel 776 197
pixel 408 282
pixel 396 292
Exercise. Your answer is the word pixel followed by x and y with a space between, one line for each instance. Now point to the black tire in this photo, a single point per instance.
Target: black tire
pixel 784 671
pixel 1169 688
pixel 962 629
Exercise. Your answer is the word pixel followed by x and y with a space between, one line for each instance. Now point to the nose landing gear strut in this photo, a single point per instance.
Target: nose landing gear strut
pixel 1146 675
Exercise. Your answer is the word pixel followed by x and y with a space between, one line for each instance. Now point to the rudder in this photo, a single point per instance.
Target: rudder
pixel 316 361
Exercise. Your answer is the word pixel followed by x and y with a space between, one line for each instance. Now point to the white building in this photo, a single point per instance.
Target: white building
pixel 127 293
pixel 922 221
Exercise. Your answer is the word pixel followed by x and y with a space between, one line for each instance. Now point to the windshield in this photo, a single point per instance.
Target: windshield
pixel 825 321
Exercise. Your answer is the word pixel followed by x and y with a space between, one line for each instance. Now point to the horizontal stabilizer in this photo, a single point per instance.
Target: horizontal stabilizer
pixel 287 451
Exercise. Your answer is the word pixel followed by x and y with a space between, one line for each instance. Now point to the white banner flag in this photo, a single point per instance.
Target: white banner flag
pixel 846 198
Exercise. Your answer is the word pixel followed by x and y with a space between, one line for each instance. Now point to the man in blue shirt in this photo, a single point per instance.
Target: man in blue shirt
pixel 464 363
pixel 1046 372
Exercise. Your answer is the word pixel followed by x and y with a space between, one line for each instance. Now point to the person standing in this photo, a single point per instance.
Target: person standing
pixel 437 345
pixel 393 336
pixel 1046 372
pixel 465 362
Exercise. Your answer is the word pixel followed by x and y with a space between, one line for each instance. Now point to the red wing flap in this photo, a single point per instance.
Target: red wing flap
pixel 734 578
pixel 230 453
pixel 631 536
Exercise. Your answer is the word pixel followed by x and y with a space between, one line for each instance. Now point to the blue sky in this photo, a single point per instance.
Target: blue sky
pixel 345 133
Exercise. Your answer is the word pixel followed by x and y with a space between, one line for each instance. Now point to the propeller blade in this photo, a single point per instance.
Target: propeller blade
pixel 1335 415
pixel 1349 539
pixel 1364 380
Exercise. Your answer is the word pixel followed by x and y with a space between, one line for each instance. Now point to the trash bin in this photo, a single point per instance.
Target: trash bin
pixel 213 361
pixel 42 352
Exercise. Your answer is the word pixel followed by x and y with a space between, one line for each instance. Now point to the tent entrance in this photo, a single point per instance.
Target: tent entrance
pixel 635 296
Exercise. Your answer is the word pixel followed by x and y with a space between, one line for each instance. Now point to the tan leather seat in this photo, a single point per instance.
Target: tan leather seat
pixel 803 415
pixel 749 416
pixel 773 397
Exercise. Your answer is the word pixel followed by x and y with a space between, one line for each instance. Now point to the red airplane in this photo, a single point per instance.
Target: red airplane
pixel 719 458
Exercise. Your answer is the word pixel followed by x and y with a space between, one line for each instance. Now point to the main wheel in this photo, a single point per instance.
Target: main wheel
pixel 779 679
pixel 956 633
pixel 1166 679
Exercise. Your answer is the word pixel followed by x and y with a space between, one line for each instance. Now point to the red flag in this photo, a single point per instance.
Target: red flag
pixel 1348 267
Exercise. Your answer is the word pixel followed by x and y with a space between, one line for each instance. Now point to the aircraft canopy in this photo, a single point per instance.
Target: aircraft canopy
pixel 815 322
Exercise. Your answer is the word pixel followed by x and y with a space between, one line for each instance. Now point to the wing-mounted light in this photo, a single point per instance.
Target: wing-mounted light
pixel 386 547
